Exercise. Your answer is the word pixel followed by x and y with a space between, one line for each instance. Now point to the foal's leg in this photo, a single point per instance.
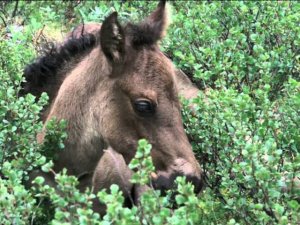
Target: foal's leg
pixel 112 169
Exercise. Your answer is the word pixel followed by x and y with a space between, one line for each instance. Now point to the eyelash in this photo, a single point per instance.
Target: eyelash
pixel 144 107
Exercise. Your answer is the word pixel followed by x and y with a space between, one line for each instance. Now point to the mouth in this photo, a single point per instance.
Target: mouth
pixel 164 181
pixel 164 184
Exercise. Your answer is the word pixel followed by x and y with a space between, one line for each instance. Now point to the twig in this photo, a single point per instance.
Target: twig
pixel 5 24
pixel 40 33
pixel 82 30
pixel 15 9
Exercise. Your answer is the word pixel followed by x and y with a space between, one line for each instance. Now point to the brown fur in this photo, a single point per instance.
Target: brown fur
pixel 112 169
pixel 185 87
pixel 97 96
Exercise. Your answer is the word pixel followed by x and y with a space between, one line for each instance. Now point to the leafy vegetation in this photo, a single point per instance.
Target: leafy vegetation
pixel 244 125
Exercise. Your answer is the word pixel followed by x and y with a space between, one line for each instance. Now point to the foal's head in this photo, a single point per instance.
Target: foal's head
pixel 144 99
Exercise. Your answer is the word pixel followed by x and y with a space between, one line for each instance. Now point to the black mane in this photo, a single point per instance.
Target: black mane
pixel 47 72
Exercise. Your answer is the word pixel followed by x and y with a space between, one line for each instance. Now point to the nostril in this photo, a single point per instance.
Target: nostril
pixel 167 181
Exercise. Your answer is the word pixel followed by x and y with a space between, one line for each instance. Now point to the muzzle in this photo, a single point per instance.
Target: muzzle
pixel 165 180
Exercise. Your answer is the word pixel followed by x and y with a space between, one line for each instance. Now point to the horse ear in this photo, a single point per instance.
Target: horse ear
pixel 112 38
pixel 153 28
pixel 158 21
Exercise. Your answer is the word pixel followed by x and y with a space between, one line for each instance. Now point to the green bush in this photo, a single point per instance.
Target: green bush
pixel 19 121
pixel 239 45
pixel 244 127
pixel 249 150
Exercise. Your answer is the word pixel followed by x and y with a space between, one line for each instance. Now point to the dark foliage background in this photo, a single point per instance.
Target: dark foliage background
pixel 245 59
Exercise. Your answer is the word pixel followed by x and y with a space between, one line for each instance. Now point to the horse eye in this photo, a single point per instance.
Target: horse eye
pixel 144 107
